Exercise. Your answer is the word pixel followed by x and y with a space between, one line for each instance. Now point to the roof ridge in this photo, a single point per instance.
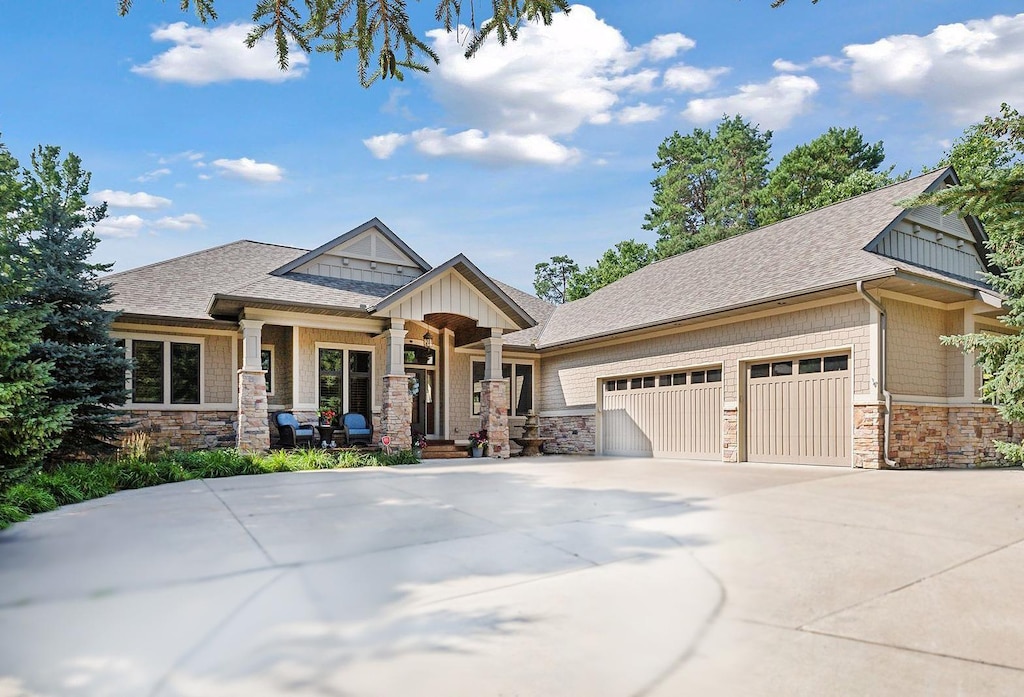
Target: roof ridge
pixel 196 253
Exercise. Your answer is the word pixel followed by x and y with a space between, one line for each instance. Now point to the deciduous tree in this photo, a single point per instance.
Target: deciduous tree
pixel 618 262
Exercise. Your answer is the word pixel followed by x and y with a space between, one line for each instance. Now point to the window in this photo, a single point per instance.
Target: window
pixel 609 386
pixel 715 375
pixel 782 368
pixel 810 365
pixel 697 377
pixel 636 383
pixel 679 378
pixel 419 355
pixel 665 381
pixel 621 385
pixel 164 371
pixel 649 381
pixel 344 380
pixel 761 370
pixel 834 363
pixel 520 389
pixel 267 362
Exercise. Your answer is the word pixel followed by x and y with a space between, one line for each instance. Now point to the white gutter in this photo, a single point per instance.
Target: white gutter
pixel 882 368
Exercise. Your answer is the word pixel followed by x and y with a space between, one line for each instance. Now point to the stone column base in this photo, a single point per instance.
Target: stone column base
pixel 730 434
pixel 869 436
pixel 494 416
pixel 253 433
pixel 396 412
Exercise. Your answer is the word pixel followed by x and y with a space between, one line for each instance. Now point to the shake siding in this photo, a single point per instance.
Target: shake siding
pixel 281 339
pixel 307 377
pixel 568 381
pixel 918 363
pixel 220 374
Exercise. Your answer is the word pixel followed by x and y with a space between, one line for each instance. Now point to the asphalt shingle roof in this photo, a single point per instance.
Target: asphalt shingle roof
pixel 816 250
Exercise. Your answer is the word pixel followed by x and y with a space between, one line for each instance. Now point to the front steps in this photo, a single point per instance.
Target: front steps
pixel 444 450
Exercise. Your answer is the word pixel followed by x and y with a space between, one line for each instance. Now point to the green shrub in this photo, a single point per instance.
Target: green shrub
pixel 10 514
pixel 30 499
pixel 313 459
pixel 134 474
pixel 64 488
pixel 172 471
pixel 278 461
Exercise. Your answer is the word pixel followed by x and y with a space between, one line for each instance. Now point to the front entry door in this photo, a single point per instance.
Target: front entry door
pixel 421 385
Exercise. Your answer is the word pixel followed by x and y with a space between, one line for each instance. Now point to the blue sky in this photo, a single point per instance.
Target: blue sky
pixel 543 147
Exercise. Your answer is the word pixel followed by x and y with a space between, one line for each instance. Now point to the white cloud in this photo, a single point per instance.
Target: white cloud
pixel 830 62
pixel 784 66
pixel 686 78
pixel 203 55
pixel 186 221
pixel 773 104
pixel 384 146
pixel 155 174
pixel 494 148
pixel 190 155
pixel 249 169
pixel 966 69
pixel 120 226
pixel 418 178
pixel 124 199
pixel 640 113
pixel 666 46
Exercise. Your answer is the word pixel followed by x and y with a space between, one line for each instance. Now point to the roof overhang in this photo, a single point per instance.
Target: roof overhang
pixel 422 297
pixel 224 305
pixel 189 322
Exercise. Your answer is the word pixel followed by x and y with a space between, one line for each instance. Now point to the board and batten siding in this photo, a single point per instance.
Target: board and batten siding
pixel 569 380
pixel 928 238
pixel 370 257
pixel 450 293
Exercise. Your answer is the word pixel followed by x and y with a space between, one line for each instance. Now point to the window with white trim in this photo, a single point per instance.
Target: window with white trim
pixel 344 381
pixel 164 371
pixel 520 388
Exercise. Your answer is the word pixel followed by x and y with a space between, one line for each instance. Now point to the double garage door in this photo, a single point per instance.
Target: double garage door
pixel 669 415
pixel 798 410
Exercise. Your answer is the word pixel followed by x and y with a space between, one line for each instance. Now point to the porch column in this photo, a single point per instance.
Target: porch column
pixel 396 407
pixel 253 432
pixel 494 398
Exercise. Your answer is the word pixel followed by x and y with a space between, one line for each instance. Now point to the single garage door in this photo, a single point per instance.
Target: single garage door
pixel 799 410
pixel 675 414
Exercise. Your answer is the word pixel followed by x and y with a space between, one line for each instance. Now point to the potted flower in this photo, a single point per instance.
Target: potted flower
pixel 327 416
pixel 477 443
pixel 419 441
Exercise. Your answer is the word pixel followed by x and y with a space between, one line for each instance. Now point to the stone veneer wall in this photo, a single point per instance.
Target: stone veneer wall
pixel 571 435
pixel 955 436
pixel 253 417
pixel 869 435
pixel 730 434
pixel 183 430
pixel 396 414
pixel 494 416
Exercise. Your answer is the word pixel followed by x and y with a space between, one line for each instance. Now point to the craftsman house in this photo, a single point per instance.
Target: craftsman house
pixel 813 340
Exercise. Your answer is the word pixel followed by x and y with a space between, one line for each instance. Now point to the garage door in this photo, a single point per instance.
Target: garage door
pixel 799 410
pixel 670 415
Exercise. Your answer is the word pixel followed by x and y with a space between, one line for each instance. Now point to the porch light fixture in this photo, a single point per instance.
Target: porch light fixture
pixel 428 341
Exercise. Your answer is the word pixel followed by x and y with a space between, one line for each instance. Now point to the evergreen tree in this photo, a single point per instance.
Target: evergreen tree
pixel 29 426
pixel 812 175
pixel 618 262
pixel 552 279
pixel 707 186
pixel 55 240
pixel 992 188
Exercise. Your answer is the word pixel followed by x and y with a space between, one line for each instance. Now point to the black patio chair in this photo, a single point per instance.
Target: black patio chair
pixel 291 432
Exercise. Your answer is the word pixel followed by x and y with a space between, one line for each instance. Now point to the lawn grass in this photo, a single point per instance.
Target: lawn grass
pixel 73 483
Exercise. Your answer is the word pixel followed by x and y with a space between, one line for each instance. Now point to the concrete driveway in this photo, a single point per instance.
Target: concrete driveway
pixel 553 576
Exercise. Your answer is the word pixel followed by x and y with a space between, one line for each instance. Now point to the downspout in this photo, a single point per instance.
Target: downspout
pixel 882 368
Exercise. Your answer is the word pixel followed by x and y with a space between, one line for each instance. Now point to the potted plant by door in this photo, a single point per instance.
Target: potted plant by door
pixel 477 443
pixel 419 441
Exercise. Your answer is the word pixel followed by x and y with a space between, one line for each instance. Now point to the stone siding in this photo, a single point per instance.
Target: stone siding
pixel 730 434
pixel 253 418
pixel 569 380
pixel 570 435
pixel 396 415
pixel 494 416
pixel 955 436
pixel 869 436
pixel 183 430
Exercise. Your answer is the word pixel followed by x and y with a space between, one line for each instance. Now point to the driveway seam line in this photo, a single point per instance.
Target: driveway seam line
pixel 259 546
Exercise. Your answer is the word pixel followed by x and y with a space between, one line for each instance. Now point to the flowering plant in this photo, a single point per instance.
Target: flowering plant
pixel 418 440
pixel 327 415
pixel 478 439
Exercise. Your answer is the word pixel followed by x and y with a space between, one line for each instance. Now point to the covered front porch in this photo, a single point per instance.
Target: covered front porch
pixel 428 359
